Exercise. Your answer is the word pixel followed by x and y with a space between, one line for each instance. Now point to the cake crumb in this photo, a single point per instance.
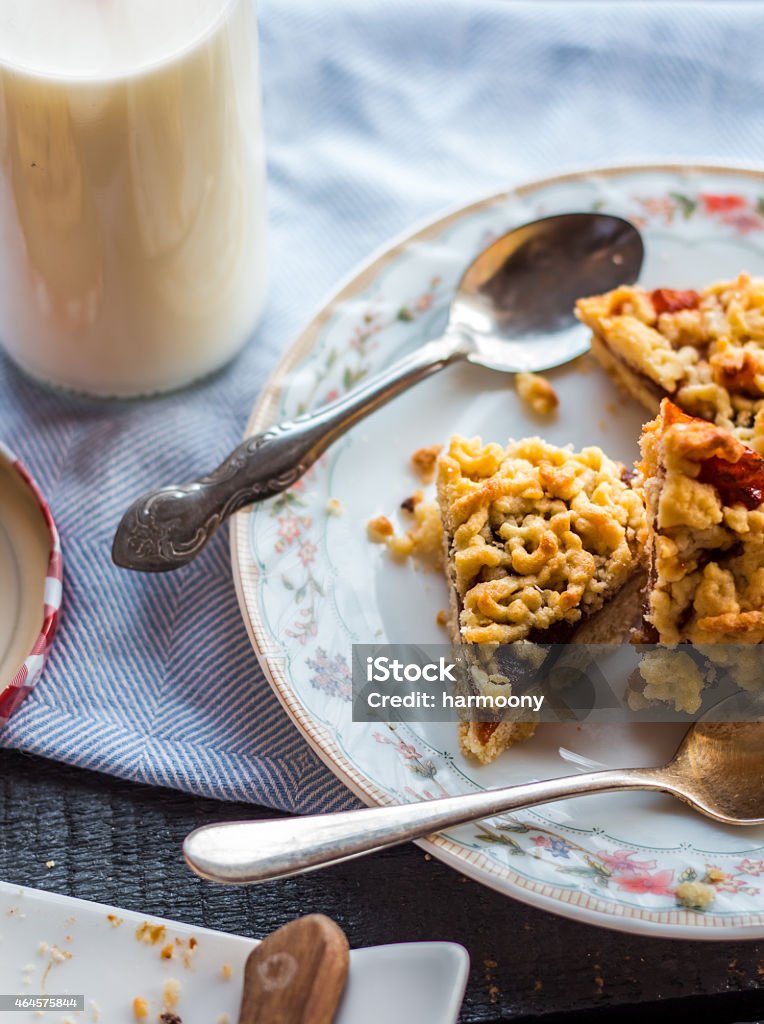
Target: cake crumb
pixel 379 529
pixel 50 864
pixel 409 504
pixel 95 1011
pixel 537 392
pixel 169 1018
pixel 192 944
pixel 334 507
pixel 400 546
pixel 424 460
pixel 167 952
pixel 695 895
pixel 140 1008
pixel 57 956
pixel 114 921
pixel 493 989
pixel 151 934
pixel 171 993
pixel 224 1019
pixel 227 972
pixel 441 618
pixel 423 540
pixel 714 875
pixel 42 949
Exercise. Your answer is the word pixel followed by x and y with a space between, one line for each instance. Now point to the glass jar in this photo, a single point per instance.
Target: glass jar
pixel 132 190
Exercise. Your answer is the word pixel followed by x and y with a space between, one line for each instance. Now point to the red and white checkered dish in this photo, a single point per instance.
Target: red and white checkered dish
pixel 13 692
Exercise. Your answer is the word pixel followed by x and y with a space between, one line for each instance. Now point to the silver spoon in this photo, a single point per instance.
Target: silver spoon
pixel 512 311
pixel 718 770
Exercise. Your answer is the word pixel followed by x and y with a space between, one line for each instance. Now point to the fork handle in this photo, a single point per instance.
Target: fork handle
pixel 258 851
pixel 168 527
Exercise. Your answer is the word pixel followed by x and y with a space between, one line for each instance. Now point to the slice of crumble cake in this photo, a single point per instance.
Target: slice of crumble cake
pixel 704 495
pixel 704 492
pixel 703 350
pixel 538 540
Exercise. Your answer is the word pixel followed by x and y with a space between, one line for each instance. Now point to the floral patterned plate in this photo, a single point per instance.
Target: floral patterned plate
pixel 310 583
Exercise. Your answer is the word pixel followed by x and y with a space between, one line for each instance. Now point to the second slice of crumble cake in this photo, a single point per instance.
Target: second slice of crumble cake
pixel 538 540
pixel 704 494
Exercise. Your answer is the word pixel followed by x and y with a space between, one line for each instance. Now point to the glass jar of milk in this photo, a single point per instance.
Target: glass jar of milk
pixel 132 207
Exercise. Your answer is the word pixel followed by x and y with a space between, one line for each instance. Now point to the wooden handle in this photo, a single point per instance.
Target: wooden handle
pixel 296 975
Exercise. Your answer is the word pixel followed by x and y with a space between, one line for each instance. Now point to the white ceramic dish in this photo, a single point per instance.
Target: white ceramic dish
pixel 310 584
pixel 63 946
pixel 30 582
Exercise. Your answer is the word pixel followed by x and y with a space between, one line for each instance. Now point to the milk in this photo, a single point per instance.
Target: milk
pixel 132 211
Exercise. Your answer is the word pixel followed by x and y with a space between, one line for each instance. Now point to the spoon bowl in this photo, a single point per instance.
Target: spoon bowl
pixel 719 770
pixel 516 300
pixel 512 311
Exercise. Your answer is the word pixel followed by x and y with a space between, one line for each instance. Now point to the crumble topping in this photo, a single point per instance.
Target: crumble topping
pixel 704 349
pixel 537 535
pixel 668 675
pixel 706 540
pixel 537 392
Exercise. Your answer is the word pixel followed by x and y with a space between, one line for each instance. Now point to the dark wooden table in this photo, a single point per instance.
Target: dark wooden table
pixel 119 843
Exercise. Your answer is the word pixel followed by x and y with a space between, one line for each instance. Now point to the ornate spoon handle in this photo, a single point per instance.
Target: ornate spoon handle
pixel 167 528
